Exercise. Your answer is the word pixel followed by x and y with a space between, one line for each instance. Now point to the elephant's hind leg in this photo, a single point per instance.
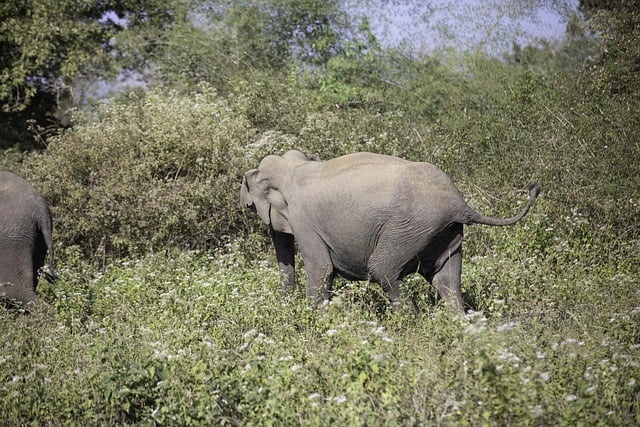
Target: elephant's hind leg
pixel 386 270
pixel 441 264
pixel 447 279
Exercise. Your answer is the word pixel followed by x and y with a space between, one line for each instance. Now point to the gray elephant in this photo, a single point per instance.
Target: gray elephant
pixel 364 216
pixel 25 238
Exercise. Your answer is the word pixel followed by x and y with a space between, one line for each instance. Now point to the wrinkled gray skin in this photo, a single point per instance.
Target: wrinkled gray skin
pixel 364 216
pixel 25 237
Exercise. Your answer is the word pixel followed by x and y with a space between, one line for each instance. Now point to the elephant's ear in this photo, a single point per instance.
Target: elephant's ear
pixel 251 195
pixel 278 211
pixel 268 202
pixel 246 201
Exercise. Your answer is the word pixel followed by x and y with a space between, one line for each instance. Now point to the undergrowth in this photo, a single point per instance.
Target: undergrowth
pixel 192 338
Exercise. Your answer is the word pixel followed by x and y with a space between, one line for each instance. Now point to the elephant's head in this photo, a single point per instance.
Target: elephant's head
pixel 264 189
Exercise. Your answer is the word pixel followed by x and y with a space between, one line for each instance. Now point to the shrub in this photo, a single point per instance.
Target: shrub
pixel 144 172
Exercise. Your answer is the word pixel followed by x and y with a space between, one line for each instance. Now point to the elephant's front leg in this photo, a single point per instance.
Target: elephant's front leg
pixel 319 281
pixel 319 268
pixel 285 253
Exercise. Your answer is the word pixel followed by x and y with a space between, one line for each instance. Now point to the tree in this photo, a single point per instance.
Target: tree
pixel 48 45
pixel 590 6
pixel 259 42
pixel 276 31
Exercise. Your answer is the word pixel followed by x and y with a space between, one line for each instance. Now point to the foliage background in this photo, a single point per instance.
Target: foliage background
pixel 169 310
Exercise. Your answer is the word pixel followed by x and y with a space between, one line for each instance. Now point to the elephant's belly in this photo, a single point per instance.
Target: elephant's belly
pixel 350 269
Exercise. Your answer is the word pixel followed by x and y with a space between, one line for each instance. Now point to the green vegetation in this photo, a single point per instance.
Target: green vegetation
pixel 52 50
pixel 146 171
pixel 169 311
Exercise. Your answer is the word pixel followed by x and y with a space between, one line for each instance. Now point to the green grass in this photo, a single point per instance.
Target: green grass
pixel 189 338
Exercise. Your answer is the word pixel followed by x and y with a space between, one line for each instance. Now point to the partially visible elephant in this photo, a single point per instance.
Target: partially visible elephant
pixel 25 238
pixel 364 216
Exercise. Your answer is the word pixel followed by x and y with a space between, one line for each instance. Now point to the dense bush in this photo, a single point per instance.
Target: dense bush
pixel 146 171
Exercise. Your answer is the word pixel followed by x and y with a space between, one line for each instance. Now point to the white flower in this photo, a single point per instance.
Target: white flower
pixel 571 397
pixel 536 411
pixel 314 396
pixel 332 332
pixel 472 314
pixel 505 326
pixel 379 357
pixel 340 399
pixel 14 380
pixel 545 376
pixel 249 333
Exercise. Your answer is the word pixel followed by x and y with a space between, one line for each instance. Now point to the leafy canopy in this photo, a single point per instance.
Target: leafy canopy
pixel 46 45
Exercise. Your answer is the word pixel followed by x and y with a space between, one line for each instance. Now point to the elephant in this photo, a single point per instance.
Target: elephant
pixel 364 216
pixel 25 237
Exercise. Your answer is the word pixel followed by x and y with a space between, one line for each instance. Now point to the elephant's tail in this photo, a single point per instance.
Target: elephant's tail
pixel 475 217
pixel 46 228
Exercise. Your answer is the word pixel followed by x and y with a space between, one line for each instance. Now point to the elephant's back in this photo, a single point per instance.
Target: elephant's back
pixel 375 181
pixel 17 191
pixel 362 160
pixel 10 182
